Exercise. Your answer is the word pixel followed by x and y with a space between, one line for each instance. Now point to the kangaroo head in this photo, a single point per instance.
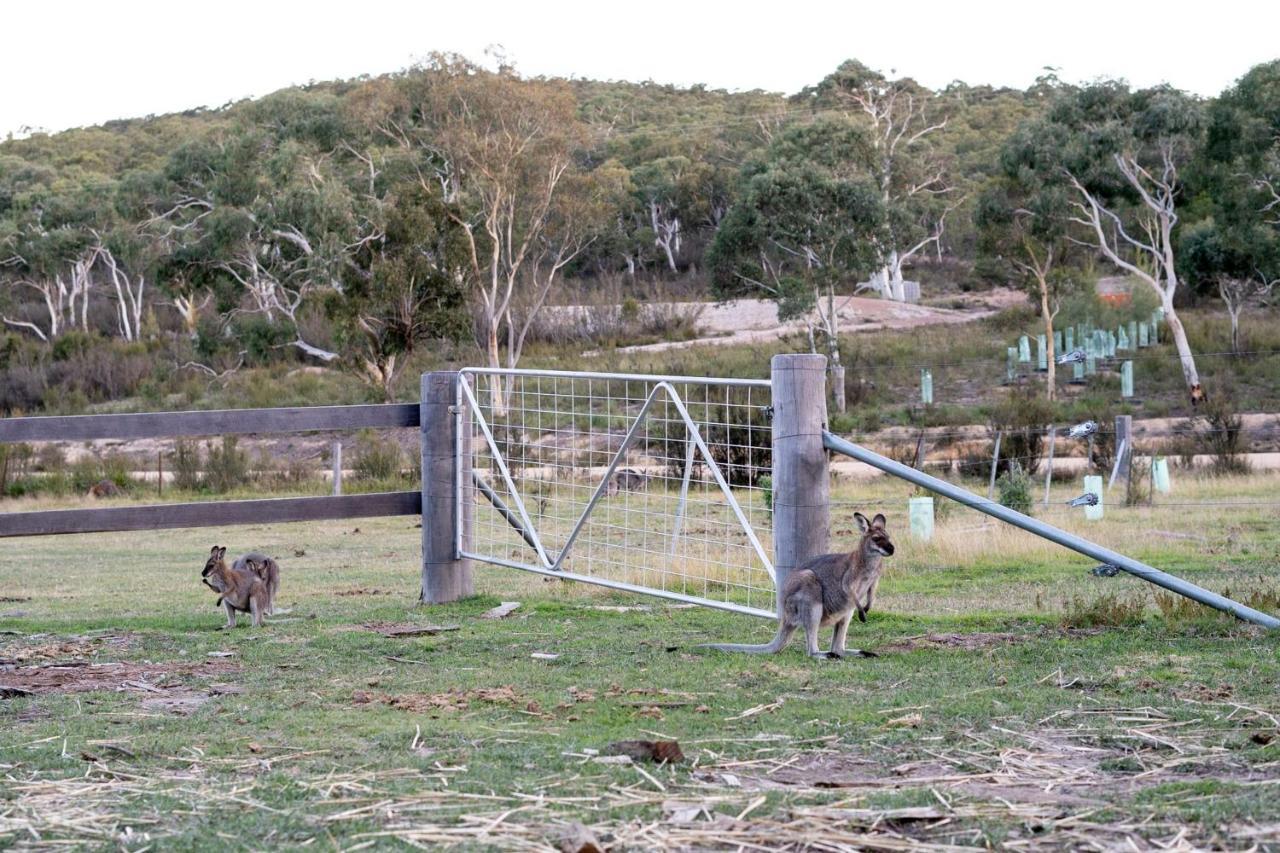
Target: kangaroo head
pixel 216 556
pixel 875 539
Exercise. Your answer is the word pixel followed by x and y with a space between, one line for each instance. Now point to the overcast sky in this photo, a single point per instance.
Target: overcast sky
pixel 67 64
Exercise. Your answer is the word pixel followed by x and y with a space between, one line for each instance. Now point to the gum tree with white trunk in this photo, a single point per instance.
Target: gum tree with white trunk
pixel 1122 155
pixel 901 118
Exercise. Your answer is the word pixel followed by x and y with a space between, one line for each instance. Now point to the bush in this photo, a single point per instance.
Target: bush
pixel 227 467
pixel 184 462
pixel 1223 436
pixel 1021 418
pixel 377 457
pixel 1014 488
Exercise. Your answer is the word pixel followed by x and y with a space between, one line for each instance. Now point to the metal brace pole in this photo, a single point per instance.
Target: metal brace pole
pixel 1053 534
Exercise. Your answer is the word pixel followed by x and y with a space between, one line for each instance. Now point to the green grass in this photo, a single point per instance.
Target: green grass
pixel 1024 730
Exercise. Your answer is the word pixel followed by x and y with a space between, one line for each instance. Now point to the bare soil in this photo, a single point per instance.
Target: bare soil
pixel 746 321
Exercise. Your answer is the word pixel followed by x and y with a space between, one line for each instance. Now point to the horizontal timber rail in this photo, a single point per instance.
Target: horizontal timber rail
pixel 209 514
pixel 1048 531
pixel 213 422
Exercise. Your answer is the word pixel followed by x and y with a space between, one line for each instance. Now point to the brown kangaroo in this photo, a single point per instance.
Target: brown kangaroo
pixel 265 568
pixel 239 590
pixel 828 590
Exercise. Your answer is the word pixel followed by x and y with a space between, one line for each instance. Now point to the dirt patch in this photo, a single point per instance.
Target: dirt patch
pixel 745 321
pixel 408 629
pixel 156 680
pixel 343 593
pixel 452 700
pixel 975 641
pixel 42 647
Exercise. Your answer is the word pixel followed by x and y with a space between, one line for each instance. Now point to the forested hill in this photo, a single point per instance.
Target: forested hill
pixel 345 224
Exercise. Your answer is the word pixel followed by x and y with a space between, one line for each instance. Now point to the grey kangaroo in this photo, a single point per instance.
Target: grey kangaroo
pixel 828 590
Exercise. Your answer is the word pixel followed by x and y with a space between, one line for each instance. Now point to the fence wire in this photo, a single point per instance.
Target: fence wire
pixel 649 483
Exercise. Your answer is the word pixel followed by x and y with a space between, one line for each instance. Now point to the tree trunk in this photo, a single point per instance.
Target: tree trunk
pixel 495 361
pixel 897 287
pixel 1189 372
pixel 1051 377
pixel 880 282
pixel 1234 311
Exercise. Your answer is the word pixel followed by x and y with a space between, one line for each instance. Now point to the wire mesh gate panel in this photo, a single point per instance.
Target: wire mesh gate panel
pixel 651 484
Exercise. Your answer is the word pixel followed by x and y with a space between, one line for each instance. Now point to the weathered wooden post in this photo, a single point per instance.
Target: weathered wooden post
pixel 446 576
pixel 801 488
pixel 336 453
pixel 995 463
pixel 1048 469
pixel 1124 447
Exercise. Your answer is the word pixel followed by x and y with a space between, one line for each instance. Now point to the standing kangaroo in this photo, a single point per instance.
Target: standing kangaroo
pixel 239 590
pixel 827 590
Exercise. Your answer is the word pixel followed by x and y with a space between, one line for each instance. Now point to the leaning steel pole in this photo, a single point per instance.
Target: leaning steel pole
pixel 1048 531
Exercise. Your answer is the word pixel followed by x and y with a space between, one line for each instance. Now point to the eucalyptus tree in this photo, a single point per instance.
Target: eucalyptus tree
pixel 1024 227
pixel 47 250
pixel 501 148
pixel 902 119
pixel 401 290
pixel 270 211
pixel 807 221
pixel 1122 155
pixel 1236 247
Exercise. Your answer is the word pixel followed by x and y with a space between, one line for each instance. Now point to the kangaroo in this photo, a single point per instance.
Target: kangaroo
pixel 828 590
pixel 626 480
pixel 239 591
pixel 265 568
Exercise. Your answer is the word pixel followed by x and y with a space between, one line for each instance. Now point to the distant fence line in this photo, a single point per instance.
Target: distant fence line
pixel 202 423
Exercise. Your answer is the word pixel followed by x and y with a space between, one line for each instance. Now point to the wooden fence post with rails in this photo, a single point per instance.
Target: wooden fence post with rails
pixel 446 575
pixel 801 487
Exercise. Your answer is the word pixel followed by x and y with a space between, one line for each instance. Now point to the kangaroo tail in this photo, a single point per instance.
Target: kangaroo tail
pixel 780 640
pixel 763 649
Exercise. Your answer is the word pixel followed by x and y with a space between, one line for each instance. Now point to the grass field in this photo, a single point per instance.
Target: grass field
pixel 1017 700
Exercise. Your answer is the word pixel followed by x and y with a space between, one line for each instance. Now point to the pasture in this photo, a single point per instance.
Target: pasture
pixel 1017 701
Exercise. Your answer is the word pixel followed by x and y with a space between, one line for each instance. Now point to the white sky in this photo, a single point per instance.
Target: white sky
pixel 65 64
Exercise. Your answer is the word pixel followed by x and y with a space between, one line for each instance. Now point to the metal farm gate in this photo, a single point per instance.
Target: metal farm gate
pixel 651 484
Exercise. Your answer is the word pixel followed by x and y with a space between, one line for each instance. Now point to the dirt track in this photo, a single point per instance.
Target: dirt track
pixel 754 320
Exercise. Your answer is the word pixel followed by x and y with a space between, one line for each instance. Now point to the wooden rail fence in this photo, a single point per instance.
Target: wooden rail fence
pixel 210 423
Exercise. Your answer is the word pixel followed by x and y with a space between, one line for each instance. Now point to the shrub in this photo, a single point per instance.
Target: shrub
pixel 1223 436
pixel 1014 488
pixel 227 465
pixel 1021 418
pixel 377 457
pixel 184 462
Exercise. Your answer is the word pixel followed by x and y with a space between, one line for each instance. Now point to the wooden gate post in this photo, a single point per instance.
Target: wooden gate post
pixel 1124 446
pixel 445 576
pixel 801 489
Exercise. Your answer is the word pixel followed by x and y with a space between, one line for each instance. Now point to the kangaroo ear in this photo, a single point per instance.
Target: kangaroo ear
pixel 222 552
pixel 879 520
pixel 213 552
pixel 863 524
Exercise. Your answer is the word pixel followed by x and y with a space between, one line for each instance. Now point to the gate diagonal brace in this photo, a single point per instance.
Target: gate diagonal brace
pixel 695 436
